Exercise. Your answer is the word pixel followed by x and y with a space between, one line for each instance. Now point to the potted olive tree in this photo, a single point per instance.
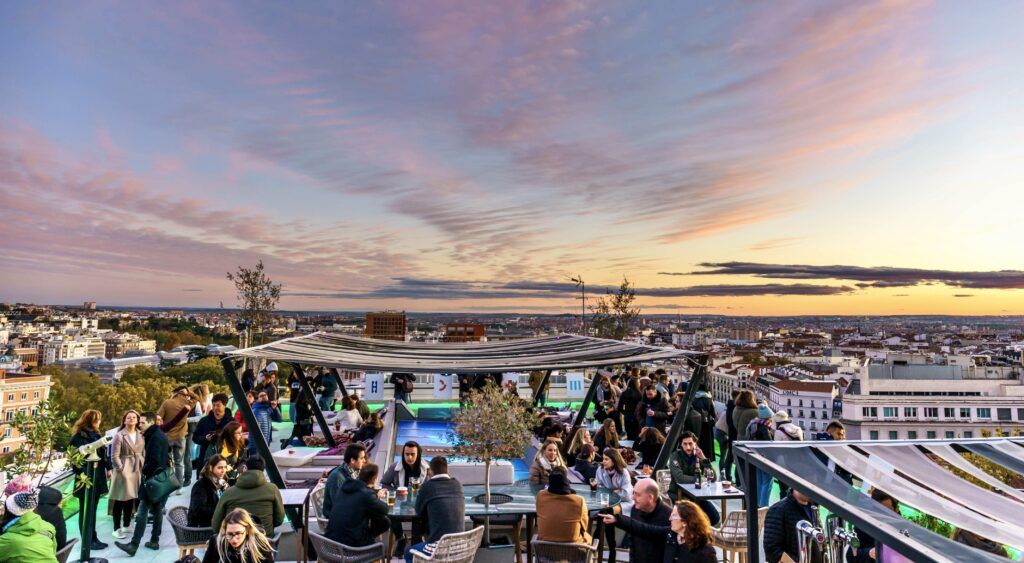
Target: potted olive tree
pixel 491 426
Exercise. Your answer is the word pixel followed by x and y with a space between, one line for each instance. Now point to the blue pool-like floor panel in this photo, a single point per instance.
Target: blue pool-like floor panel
pixel 434 434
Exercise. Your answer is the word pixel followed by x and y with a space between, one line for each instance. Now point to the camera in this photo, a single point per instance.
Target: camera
pixel 90 449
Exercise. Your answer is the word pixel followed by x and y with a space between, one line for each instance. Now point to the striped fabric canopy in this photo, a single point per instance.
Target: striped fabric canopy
pixel 903 469
pixel 367 354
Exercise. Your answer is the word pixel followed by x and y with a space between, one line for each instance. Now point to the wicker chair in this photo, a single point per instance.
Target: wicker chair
pixel 189 539
pixel 731 536
pixel 316 502
pixel 62 555
pixel 563 552
pixel 664 480
pixel 330 551
pixel 453 548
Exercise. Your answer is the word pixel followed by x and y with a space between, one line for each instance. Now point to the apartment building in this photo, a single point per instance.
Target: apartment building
pixel 810 404
pixel 925 401
pixel 22 393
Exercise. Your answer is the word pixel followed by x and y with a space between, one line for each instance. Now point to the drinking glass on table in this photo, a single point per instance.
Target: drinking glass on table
pixel 391 498
pixel 593 484
pixel 414 484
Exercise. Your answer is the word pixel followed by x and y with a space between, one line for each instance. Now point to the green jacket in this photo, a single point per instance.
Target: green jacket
pixel 683 470
pixel 254 493
pixel 29 540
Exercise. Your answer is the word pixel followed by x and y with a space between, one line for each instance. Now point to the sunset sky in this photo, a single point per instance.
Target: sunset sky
pixel 757 158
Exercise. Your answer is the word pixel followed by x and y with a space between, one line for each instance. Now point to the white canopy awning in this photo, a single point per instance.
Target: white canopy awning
pixel 367 354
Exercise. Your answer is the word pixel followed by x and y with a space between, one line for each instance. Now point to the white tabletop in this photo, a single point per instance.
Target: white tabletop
pixel 296 456
pixel 711 491
pixel 294 497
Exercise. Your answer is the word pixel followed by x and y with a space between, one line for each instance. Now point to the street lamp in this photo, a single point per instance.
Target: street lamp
pixel 583 295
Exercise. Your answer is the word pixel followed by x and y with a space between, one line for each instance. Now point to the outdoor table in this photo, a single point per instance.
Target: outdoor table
pixel 712 491
pixel 523 503
pixel 297 498
pixel 626 443
pixel 296 456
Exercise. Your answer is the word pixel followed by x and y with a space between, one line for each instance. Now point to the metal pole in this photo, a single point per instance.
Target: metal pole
pixel 672 440
pixel 314 405
pixel 589 398
pixel 341 384
pixel 753 547
pixel 543 382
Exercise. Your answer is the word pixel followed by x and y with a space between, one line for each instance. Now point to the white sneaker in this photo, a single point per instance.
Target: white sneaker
pixel 120 533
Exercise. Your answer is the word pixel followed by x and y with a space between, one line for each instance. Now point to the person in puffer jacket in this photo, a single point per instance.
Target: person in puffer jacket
pixel 786 431
pixel 49 509
pixel 27 538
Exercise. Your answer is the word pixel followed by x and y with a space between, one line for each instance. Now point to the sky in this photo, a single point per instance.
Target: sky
pixel 749 158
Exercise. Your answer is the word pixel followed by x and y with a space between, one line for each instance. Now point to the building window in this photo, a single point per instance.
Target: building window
pixel 965 412
pixel 872 411
pixel 1020 414
pixel 894 434
pixel 813 413
pixel 7 449
pixel 789 402
pixel 24 396
pixel 874 434
pixel 1004 414
pixel 9 415
pixel 801 414
pixel 10 397
pixel 950 434
pixel 984 412
pixel 889 412
pixel 7 433
pixel 968 434
pixel 949 412
pixel 814 425
pixel 912 434
pixel 35 395
pixel 910 412
pixel 931 434
pixel 801 402
pixel 931 412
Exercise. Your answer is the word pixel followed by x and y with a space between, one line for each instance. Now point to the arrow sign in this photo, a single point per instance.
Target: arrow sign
pixel 443 386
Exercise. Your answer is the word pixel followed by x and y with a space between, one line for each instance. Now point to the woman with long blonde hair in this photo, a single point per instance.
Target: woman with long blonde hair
pixel 240 541
pixel 86 431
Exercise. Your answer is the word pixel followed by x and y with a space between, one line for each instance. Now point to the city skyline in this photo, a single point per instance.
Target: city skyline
pixel 741 159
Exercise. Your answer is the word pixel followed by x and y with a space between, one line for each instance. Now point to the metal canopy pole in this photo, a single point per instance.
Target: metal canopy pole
pixel 341 384
pixel 589 398
pixel 319 414
pixel 679 420
pixel 256 435
pixel 540 389
pixel 753 546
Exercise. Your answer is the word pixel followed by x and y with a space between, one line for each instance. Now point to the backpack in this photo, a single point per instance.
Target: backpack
pixel 759 429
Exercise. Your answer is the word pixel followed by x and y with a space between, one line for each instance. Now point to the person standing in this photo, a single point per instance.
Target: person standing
pixel 266 413
pixel 201 393
pixel 725 442
pixel 157 460
pixel 628 402
pixel 762 429
pixel 780 536
pixel 86 431
pixel 294 391
pixel 403 383
pixel 328 388
pixel 536 378
pixel 743 412
pixel 180 399
pixel 705 406
pixel 653 408
pixel 786 431
pixel 209 426
pixel 129 450
pixel 440 503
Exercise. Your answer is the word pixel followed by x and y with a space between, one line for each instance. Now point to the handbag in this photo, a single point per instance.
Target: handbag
pixel 161 485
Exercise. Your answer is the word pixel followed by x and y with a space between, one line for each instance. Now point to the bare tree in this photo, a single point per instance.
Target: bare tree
pixel 257 296
pixel 614 315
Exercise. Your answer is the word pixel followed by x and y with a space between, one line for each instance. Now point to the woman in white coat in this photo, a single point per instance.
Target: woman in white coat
pixel 129 453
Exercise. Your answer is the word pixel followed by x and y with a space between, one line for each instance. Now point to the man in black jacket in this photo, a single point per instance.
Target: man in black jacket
pixel 653 408
pixel 210 425
pixel 440 502
pixel 359 515
pixel 50 511
pixel 403 385
pixel 647 524
pixel 157 448
pixel 780 535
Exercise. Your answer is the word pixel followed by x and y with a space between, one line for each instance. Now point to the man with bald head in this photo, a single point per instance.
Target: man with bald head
pixel 647 523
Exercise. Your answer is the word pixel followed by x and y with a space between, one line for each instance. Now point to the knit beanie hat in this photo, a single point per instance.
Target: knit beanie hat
pixel 23 502
pixel 764 412
pixel 19 484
